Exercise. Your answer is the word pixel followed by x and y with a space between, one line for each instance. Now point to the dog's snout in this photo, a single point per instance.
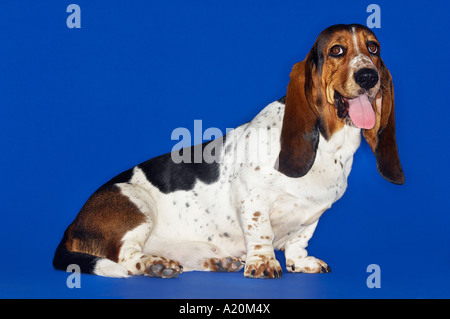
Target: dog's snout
pixel 366 78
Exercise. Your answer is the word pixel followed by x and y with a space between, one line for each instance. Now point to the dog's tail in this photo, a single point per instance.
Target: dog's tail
pixel 88 264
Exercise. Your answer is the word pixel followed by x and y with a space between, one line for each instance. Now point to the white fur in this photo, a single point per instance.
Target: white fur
pixel 250 210
pixel 355 40
pixel 361 61
pixel 108 268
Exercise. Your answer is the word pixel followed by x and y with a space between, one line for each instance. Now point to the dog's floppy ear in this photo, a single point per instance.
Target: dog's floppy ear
pixel 381 137
pixel 300 131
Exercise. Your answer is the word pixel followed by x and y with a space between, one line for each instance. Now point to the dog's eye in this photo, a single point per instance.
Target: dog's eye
pixel 373 48
pixel 337 50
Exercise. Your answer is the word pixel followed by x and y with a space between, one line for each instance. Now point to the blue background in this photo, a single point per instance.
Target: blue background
pixel 79 106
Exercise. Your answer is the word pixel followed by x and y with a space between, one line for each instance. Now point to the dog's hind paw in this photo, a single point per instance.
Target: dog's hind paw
pixel 226 264
pixel 162 267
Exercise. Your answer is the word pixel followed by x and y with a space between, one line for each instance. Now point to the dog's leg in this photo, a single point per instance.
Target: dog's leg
pixel 297 259
pixel 260 261
pixel 131 254
pixel 137 262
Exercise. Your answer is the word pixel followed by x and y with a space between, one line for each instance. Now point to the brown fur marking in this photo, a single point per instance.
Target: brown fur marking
pixel 102 222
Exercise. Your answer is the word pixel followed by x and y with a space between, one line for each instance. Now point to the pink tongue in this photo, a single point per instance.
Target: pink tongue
pixel 361 112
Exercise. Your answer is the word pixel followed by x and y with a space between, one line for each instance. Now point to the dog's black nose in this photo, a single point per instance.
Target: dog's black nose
pixel 366 78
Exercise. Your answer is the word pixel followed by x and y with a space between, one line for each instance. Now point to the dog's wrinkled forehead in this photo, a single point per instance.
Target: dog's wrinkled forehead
pixel 317 53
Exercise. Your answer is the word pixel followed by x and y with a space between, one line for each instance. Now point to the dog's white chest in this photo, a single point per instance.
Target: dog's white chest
pixel 306 198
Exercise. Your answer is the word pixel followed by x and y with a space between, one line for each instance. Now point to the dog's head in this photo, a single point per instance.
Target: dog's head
pixel 342 81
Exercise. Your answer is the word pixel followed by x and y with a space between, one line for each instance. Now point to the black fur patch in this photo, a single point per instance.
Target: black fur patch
pixel 282 100
pixel 124 177
pixel 169 176
pixel 63 258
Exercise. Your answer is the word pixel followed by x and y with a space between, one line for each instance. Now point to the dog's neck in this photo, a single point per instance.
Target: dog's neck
pixel 347 139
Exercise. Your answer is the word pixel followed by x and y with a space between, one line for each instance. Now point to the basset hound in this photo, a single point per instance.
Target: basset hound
pixel 261 187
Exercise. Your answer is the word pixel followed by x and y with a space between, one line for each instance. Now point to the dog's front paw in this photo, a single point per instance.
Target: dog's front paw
pixel 263 267
pixel 310 265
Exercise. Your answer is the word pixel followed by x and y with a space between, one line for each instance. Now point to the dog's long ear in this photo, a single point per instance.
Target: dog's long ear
pixel 300 132
pixel 381 138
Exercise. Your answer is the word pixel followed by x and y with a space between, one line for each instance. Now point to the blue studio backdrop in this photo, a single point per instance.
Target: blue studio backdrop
pixel 80 103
